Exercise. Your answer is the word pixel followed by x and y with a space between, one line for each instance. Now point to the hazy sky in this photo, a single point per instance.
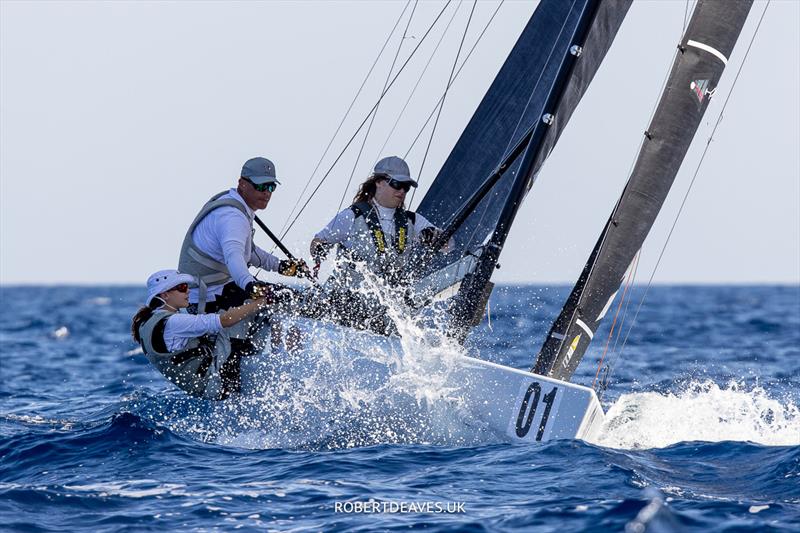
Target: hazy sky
pixel 119 119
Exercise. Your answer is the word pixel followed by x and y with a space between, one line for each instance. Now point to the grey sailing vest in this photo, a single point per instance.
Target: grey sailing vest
pixel 186 368
pixel 194 261
pixel 368 242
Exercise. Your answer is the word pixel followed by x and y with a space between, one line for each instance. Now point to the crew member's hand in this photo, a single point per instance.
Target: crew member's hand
pixel 292 267
pixel 259 289
pixel 304 271
pixel 428 236
pixel 319 252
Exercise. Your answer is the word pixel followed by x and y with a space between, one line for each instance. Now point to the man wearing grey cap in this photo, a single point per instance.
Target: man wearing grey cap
pixel 376 230
pixel 218 248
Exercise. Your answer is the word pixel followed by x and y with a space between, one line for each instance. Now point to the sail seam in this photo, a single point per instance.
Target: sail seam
pixel 711 50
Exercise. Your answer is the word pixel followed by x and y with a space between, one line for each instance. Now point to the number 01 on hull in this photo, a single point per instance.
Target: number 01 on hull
pixel 529 407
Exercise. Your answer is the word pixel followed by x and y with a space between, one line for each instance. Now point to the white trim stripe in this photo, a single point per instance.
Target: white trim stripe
pixel 585 328
pixel 713 51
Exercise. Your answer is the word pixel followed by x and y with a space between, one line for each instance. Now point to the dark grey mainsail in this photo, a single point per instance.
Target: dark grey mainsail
pixel 704 51
pixel 510 135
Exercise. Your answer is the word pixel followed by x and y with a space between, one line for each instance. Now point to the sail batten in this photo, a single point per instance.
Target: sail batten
pixel 707 43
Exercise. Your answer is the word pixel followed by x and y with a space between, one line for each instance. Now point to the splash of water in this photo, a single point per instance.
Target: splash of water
pixel 322 386
pixel 702 411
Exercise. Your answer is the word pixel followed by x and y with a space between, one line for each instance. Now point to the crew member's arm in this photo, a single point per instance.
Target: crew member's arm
pixel 319 249
pixel 336 231
pixel 182 326
pixel 285 267
pixel 237 314
pixel 233 229
pixel 263 259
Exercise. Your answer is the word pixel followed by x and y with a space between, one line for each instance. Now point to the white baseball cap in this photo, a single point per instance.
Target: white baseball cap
pixel 164 280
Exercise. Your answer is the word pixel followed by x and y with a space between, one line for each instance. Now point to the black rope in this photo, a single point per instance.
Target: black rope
pixel 363 122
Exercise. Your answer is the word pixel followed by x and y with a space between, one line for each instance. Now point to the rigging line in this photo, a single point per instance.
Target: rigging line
pixel 614 323
pixel 685 17
pixel 430 115
pixel 341 123
pixel 347 145
pixel 458 72
pixel 444 97
pixel 625 312
pixel 694 177
pixel 624 299
pixel 374 115
pixel 641 142
pixel 614 353
pixel 661 89
pixel 505 152
pixel 419 80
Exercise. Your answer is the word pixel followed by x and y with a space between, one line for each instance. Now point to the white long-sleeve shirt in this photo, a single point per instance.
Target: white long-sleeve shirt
pixel 340 229
pixel 223 235
pixel 181 327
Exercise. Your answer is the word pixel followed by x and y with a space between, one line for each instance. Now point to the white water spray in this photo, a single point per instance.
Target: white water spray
pixel 703 411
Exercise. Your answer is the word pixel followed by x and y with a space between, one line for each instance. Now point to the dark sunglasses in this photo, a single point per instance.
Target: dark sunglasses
pixel 181 287
pixel 270 187
pixel 399 185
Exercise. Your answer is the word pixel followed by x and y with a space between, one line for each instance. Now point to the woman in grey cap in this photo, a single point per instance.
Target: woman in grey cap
pixel 376 230
pixel 192 351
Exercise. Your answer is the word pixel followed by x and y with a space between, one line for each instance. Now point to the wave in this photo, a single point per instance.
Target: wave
pixel 701 411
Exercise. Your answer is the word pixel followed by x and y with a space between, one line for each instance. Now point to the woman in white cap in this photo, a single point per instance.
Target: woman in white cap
pixel 192 351
pixel 375 230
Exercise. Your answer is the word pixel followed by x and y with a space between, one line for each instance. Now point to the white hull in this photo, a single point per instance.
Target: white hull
pixel 340 365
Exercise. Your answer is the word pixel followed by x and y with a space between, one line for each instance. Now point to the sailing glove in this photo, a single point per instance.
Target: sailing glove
pixel 292 267
pixel 259 289
pixel 428 236
pixel 320 252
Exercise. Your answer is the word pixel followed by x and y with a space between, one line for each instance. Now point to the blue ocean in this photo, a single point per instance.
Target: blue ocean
pixel 702 430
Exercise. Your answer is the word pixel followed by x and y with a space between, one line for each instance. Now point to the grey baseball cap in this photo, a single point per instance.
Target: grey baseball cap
pixel 259 170
pixel 395 168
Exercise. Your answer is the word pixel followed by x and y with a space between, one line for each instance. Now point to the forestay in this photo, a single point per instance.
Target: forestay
pixel 703 53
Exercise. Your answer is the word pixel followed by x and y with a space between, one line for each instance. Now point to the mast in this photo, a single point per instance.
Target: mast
pixel 702 55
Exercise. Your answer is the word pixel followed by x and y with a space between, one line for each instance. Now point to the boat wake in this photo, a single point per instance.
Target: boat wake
pixel 702 411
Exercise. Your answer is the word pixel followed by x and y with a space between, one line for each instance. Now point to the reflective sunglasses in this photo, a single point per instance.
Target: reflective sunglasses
pixel 181 287
pixel 399 185
pixel 269 187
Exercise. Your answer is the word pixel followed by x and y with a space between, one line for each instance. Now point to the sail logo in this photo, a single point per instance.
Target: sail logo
pixel 700 89
pixel 572 347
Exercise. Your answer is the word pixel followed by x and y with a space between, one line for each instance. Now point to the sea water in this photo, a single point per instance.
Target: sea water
pixel 702 431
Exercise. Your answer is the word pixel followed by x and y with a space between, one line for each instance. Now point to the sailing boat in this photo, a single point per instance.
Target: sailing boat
pixel 477 193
